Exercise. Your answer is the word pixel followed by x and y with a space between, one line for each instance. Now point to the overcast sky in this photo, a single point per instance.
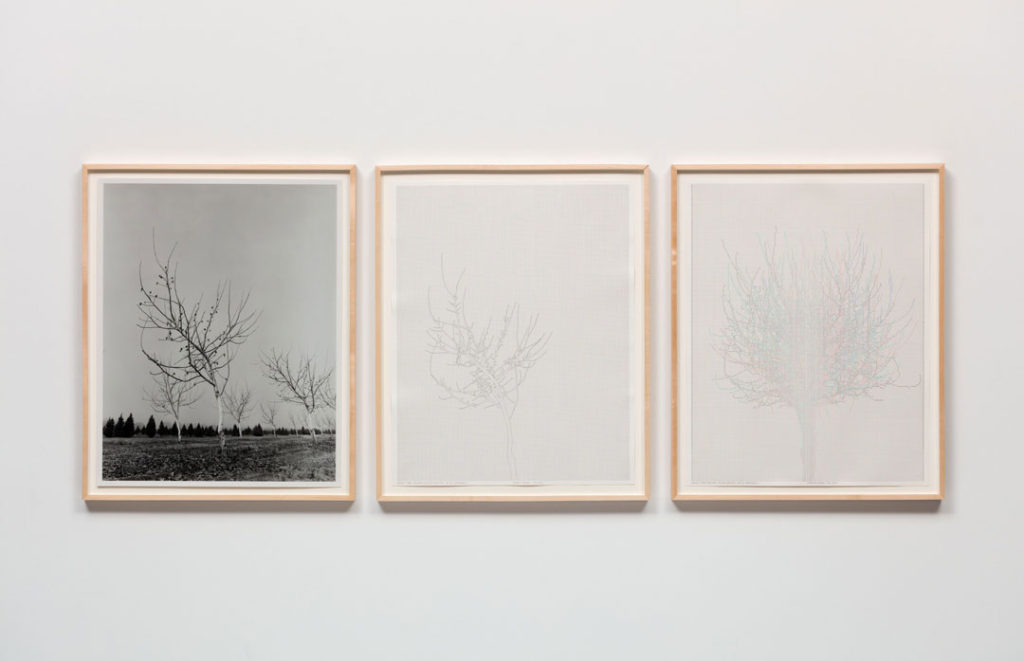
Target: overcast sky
pixel 276 241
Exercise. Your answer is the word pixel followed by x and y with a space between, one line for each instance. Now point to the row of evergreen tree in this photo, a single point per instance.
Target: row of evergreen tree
pixel 126 428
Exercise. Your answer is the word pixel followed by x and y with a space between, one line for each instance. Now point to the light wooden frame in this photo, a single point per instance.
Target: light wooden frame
pixel 202 493
pixel 769 494
pixel 644 171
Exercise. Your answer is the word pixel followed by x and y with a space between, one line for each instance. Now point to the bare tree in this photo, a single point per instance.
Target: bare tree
pixel 203 337
pixel 239 403
pixel 268 414
pixel 305 383
pixel 482 367
pixel 811 329
pixel 171 396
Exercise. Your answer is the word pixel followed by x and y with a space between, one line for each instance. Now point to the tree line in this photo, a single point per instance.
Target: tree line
pixel 124 427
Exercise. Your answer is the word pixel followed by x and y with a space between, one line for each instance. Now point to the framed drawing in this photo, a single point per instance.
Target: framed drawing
pixel 807 332
pixel 218 332
pixel 512 333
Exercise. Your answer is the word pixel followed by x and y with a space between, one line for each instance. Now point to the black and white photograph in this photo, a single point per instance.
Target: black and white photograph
pixel 513 334
pixel 219 333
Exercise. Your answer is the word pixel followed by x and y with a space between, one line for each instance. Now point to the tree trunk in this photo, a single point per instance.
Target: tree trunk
pixel 510 455
pixel 806 415
pixel 309 423
pixel 220 422
pixel 177 428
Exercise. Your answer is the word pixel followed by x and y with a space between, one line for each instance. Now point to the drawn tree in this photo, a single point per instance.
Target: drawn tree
pixel 171 396
pixel 811 328
pixel 203 337
pixel 305 383
pixel 482 367
pixel 239 404
pixel 268 414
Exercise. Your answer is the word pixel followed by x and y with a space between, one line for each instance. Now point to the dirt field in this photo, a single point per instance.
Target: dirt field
pixel 246 458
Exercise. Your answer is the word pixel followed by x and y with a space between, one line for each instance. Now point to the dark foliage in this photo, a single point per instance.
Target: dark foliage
pixel 128 429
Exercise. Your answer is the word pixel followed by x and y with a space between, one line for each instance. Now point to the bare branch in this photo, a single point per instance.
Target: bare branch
pixel 202 339
pixel 481 367
pixel 304 382
pixel 239 405
pixel 170 396
pixel 268 414
pixel 803 330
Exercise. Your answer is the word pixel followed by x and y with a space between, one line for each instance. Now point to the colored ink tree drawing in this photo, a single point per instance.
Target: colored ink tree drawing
pixel 811 327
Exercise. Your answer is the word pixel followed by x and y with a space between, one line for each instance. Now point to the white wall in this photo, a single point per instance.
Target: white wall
pixel 565 82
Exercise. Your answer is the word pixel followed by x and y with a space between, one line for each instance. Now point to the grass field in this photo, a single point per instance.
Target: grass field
pixel 245 459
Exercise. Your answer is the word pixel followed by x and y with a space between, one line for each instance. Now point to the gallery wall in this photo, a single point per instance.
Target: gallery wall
pixel 530 82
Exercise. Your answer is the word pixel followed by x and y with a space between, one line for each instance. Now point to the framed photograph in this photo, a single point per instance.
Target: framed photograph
pixel 218 332
pixel 807 332
pixel 512 337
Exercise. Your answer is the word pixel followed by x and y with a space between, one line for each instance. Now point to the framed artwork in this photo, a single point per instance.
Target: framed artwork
pixel 807 332
pixel 512 336
pixel 218 332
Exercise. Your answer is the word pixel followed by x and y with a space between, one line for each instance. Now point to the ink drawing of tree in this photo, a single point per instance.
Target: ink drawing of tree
pixel 808 328
pixel 482 366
